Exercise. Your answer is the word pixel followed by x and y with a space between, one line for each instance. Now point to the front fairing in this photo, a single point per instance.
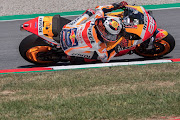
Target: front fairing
pixel 137 21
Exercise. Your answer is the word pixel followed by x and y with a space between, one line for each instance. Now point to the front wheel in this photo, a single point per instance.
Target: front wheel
pixel 31 49
pixel 161 47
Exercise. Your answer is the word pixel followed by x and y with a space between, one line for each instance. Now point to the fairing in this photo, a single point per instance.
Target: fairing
pixel 41 26
pixel 139 22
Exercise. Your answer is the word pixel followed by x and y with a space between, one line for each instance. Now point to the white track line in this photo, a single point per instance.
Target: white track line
pixel 99 65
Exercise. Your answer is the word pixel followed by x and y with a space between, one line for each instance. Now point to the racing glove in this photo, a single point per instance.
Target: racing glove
pixel 118 48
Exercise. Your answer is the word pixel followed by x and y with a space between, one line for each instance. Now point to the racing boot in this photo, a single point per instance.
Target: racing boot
pixel 89 12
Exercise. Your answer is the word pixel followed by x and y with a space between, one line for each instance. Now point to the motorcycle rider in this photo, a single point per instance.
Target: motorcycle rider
pixel 86 39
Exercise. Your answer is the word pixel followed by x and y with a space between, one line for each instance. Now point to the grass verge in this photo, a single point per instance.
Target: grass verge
pixel 124 92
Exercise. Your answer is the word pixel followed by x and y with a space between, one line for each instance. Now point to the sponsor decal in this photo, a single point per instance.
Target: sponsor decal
pixel 131 26
pixel 79 35
pixel 75 21
pixel 40 25
pixel 145 21
pixel 68 38
pixel 161 34
pixel 151 25
pixel 81 55
pixel 73 37
pixel 90 34
pixel 115 24
pixel 35 24
pixel 148 27
pixel 63 40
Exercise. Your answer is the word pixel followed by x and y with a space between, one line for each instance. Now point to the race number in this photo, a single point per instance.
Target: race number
pixel 151 25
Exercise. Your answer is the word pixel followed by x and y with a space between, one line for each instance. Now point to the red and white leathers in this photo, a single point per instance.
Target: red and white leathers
pixel 79 37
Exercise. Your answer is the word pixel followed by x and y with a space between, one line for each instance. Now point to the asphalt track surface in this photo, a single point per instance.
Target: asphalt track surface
pixel 11 36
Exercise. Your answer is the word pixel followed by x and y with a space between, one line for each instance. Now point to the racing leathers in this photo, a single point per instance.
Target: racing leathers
pixel 80 37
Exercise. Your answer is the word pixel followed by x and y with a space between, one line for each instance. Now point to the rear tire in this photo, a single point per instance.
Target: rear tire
pixel 28 43
pixel 163 47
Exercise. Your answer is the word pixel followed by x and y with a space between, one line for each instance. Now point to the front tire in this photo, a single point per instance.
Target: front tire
pixel 31 46
pixel 161 47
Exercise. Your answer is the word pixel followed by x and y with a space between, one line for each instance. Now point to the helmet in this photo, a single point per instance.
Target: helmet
pixel 109 28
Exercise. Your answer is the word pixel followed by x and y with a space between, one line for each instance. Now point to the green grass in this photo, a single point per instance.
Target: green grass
pixel 125 92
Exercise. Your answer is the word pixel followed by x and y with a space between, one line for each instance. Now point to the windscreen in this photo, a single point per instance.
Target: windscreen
pixel 133 17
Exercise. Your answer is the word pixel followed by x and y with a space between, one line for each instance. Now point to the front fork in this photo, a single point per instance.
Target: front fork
pixel 158 35
pixel 150 42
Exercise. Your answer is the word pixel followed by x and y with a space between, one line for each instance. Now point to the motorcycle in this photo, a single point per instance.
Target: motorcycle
pixel 141 37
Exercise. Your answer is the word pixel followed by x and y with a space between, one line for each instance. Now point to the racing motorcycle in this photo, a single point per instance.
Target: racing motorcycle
pixel 42 47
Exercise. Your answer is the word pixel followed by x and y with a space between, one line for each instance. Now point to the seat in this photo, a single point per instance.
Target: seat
pixel 57 24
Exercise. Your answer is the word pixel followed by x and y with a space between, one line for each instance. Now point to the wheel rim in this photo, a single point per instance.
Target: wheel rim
pixel 161 48
pixel 32 53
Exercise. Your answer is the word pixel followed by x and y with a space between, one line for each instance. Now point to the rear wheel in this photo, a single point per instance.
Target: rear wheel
pixel 161 47
pixel 32 48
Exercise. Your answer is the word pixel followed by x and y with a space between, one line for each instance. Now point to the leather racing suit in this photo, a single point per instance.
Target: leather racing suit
pixel 80 37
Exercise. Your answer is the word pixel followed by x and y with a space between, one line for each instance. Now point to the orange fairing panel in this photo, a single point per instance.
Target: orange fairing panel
pixel 47 26
pixel 135 29
pixel 138 8
pixel 117 14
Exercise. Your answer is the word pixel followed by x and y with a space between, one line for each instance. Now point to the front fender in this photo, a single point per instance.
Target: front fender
pixel 161 34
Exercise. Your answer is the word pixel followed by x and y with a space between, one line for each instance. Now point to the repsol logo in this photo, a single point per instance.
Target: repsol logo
pixel 81 55
pixel 40 26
